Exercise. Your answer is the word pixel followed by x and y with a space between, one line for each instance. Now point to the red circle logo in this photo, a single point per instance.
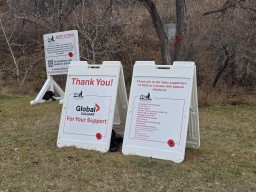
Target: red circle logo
pixel 98 136
pixel 70 54
pixel 171 143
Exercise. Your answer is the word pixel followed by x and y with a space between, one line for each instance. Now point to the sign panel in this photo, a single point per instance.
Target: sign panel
pixel 89 106
pixel 158 112
pixel 121 105
pixel 193 135
pixel 60 49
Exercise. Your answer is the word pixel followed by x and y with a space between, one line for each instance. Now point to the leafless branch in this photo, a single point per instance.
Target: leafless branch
pixel 10 49
pixel 227 5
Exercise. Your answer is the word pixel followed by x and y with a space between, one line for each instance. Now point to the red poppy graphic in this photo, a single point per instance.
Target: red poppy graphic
pixel 171 143
pixel 70 54
pixel 98 136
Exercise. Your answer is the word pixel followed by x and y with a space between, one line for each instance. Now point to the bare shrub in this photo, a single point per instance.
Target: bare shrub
pixel 222 43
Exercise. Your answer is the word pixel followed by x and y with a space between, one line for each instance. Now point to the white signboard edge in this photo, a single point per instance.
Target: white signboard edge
pixel 193 137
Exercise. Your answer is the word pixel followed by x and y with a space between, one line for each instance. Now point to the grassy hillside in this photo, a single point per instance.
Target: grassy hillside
pixel 31 161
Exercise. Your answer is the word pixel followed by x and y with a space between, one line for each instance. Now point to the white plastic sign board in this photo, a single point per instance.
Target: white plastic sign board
pixel 60 49
pixel 121 104
pixel 159 111
pixel 90 103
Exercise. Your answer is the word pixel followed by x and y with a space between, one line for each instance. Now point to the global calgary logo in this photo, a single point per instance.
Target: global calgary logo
pixel 88 111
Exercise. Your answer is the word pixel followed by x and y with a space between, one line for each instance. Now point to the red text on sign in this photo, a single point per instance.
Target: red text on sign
pixel 92 82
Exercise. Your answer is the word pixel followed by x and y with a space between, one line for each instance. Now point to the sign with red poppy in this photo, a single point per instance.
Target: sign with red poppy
pixel 89 105
pixel 159 110
pixel 60 49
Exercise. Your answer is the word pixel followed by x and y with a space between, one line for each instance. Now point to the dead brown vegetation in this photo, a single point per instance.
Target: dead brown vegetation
pixel 220 43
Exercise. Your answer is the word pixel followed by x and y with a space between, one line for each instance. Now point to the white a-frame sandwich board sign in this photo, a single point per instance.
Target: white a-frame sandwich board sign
pixel 162 116
pixel 60 49
pixel 94 96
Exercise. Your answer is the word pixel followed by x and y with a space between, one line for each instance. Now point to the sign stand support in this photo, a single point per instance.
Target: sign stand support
pixel 193 135
pixel 51 85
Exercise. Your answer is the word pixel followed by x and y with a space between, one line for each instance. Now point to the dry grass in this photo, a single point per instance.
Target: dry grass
pixel 225 96
pixel 30 160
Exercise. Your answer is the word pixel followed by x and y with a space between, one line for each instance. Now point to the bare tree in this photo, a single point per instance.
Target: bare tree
pixel 23 25
pixel 52 15
pixel 180 14
pixel 159 27
pixel 101 28
pixel 233 40
pixel 17 72
pixel 229 56
pixel 18 53
pixel 227 5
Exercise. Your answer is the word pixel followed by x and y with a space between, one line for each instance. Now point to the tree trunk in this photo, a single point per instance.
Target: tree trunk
pixel 180 12
pixel 12 54
pixel 229 58
pixel 158 25
pixel 61 17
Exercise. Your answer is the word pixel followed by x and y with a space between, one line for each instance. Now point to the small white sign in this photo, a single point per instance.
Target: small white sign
pixel 89 105
pixel 158 112
pixel 60 49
